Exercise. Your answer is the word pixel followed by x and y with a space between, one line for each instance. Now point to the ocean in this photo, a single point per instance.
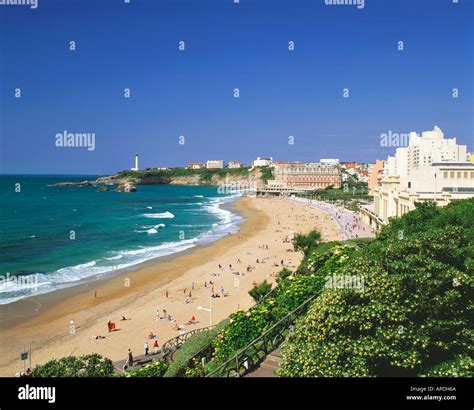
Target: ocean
pixel 55 237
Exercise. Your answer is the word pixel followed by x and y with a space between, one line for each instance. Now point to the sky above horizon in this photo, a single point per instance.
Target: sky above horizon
pixel 190 93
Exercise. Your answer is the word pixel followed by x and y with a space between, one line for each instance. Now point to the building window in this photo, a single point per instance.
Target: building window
pixel 409 184
pixel 445 174
pixel 452 174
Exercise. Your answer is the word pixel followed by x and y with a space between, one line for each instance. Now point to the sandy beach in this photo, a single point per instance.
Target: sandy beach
pixel 44 321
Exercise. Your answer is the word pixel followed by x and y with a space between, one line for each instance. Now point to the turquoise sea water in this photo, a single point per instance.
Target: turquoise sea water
pixel 54 237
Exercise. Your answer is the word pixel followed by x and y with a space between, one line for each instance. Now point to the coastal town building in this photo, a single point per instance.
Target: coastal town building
pixel 262 162
pixel 195 165
pixel 358 170
pixel 235 164
pixel 431 168
pixel 310 175
pixel 375 174
pixel 332 161
pixel 215 164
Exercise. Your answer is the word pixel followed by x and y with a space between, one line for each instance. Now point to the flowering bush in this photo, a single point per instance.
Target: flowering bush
pixel 331 261
pixel 414 316
pixel 460 366
pixel 93 365
pixel 294 291
pixel 243 327
pixel 155 369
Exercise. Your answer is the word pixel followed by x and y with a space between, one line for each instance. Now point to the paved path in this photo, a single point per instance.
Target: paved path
pixel 348 221
pixel 138 361
pixel 268 366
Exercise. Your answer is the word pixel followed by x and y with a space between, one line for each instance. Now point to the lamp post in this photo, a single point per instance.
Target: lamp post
pixel 208 310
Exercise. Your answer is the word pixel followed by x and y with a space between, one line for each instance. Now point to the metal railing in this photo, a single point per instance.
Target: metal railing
pixel 176 342
pixel 251 356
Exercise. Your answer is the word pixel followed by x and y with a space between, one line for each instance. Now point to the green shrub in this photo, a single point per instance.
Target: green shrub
pixel 259 291
pixel 460 366
pixel 155 369
pixel 92 365
pixel 294 291
pixel 243 327
pixel 190 348
pixel 266 174
pixel 284 274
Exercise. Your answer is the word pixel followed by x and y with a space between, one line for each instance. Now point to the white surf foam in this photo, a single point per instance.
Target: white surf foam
pixel 166 214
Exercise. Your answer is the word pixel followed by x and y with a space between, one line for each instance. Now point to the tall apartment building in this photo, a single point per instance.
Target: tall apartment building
pixel 431 168
pixel 424 150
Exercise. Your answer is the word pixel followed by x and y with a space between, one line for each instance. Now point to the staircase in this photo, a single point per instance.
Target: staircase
pixel 268 366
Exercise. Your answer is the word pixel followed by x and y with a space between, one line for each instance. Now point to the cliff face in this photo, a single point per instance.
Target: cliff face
pixel 126 182
pixel 252 180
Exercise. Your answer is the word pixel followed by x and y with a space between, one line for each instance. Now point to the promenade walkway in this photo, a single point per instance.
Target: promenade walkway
pixel 138 361
pixel 349 222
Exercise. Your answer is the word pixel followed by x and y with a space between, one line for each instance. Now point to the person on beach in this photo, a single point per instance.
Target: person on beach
pixel 109 325
pixel 129 361
pixel 167 293
pixel 146 348
pixel 155 346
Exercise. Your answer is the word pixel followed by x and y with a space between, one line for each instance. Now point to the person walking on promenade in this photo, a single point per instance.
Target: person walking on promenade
pixel 129 361
pixel 146 348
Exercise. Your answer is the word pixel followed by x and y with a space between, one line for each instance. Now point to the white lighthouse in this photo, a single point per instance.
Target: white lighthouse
pixel 136 163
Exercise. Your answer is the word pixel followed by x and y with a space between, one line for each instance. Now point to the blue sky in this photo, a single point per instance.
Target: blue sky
pixel 245 46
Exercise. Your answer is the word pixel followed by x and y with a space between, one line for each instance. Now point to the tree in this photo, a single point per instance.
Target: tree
pixel 306 243
pixel 259 291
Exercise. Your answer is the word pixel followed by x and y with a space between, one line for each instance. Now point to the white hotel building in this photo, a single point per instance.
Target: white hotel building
pixel 430 168
pixel 215 164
